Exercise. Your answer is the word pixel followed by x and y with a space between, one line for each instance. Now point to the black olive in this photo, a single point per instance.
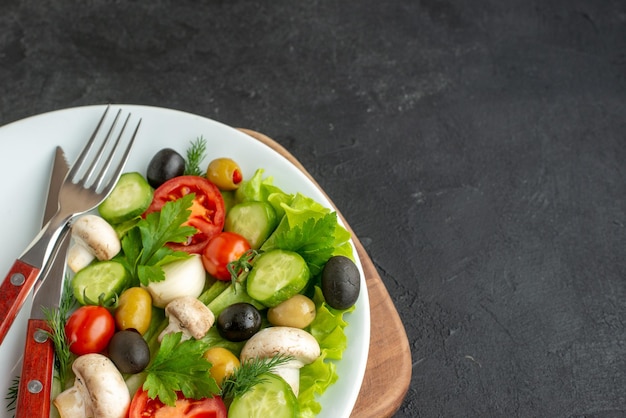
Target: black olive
pixel 238 322
pixel 341 282
pixel 129 351
pixel 166 164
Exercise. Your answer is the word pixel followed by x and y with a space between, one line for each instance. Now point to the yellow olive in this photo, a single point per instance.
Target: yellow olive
pixel 224 173
pixel 223 363
pixel 297 311
pixel 134 310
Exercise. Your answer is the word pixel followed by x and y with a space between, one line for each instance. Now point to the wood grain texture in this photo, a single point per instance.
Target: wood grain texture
pixel 14 296
pixel 388 373
pixel 38 365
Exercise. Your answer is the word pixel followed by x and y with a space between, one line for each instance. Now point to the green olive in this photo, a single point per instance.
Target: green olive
pixel 134 310
pixel 223 363
pixel 224 173
pixel 298 311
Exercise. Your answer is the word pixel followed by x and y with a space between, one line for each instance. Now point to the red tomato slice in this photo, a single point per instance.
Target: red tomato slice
pixel 207 209
pixel 221 250
pixel 143 407
pixel 89 329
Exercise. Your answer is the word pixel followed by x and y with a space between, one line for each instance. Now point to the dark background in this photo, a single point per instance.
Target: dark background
pixel 477 149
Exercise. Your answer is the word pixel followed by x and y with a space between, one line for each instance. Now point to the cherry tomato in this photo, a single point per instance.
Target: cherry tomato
pixel 143 407
pixel 89 329
pixel 207 209
pixel 221 250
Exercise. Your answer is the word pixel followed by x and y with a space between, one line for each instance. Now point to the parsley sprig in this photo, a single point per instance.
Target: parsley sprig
pixel 143 248
pixel 180 366
pixel 313 240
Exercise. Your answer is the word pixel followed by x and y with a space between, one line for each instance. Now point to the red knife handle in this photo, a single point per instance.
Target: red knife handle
pixel 33 399
pixel 13 292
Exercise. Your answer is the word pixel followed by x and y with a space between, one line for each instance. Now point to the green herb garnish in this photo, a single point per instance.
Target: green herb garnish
pixel 56 320
pixel 195 154
pixel 240 268
pixel 180 366
pixel 11 396
pixel 314 240
pixel 248 374
pixel 144 250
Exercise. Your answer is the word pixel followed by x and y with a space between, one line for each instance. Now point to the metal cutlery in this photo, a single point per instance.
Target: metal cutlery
pixel 38 361
pixel 86 185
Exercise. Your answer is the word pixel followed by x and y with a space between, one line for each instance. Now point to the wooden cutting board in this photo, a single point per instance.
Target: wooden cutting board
pixel 388 372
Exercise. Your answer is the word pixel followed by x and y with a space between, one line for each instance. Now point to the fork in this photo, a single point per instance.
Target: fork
pixel 89 181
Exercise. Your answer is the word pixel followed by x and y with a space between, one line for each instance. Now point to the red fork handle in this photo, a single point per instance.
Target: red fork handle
pixel 33 399
pixel 13 292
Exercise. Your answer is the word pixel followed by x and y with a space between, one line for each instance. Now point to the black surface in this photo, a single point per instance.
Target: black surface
pixel 477 148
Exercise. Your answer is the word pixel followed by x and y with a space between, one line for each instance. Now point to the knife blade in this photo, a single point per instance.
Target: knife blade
pixel 38 362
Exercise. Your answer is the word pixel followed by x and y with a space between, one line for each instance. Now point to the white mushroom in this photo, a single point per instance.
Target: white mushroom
pixel 189 316
pixel 288 341
pixel 93 238
pixel 99 390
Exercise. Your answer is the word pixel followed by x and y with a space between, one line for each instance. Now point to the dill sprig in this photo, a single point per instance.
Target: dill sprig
pixel 68 301
pixel 240 268
pixel 11 396
pixel 56 319
pixel 195 154
pixel 62 359
pixel 248 374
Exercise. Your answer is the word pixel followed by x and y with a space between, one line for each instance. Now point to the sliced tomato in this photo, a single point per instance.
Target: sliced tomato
pixel 221 250
pixel 207 209
pixel 143 406
pixel 89 329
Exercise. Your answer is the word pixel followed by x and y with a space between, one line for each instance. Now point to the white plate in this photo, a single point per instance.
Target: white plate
pixel 25 163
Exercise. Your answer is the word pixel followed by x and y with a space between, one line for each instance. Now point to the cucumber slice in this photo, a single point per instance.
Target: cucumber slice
pixel 100 281
pixel 229 199
pixel 276 276
pixel 271 398
pixel 255 221
pixel 130 197
pixel 232 294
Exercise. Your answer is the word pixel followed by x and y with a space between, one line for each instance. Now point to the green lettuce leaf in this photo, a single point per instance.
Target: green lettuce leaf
pixel 328 328
pixel 312 231
pixel 260 189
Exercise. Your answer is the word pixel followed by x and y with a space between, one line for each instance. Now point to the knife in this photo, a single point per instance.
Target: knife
pixel 38 363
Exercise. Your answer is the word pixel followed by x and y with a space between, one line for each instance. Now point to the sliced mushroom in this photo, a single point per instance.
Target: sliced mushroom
pixel 99 390
pixel 93 238
pixel 188 315
pixel 271 342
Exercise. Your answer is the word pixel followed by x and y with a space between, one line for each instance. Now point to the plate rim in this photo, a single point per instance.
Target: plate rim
pixel 364 296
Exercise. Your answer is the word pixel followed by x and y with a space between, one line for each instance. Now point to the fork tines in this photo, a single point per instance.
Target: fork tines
pixel 101 151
